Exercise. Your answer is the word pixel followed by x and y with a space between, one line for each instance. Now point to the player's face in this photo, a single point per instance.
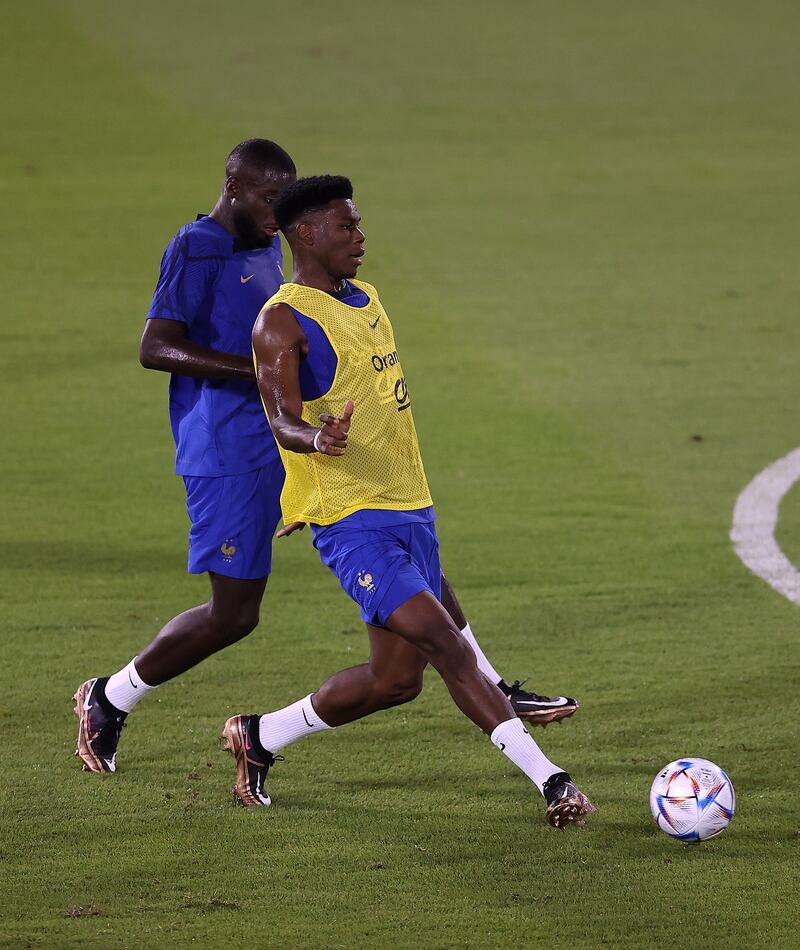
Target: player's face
pixel 252 204
pixel 338 239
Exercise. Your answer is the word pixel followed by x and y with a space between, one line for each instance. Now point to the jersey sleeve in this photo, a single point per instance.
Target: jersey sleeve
pixel 183 283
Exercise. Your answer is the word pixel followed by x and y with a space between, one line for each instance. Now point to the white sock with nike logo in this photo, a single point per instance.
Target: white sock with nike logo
pixel 278 729
pixel 483 664
pixel 514 741
pixel 125 688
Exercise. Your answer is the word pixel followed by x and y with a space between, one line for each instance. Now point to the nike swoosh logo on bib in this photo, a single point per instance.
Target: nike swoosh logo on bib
pixel 373 325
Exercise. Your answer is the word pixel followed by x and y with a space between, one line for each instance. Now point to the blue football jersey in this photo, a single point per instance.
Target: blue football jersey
pixel 217 289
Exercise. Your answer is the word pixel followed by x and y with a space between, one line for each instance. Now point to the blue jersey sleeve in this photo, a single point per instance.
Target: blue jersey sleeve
pixel 184 284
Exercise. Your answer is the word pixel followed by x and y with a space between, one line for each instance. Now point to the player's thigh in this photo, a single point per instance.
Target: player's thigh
pixel 231 596
pixel 424 624
pixel 393 659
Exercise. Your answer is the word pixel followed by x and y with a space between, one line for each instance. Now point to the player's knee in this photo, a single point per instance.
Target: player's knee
pixel 395 692
pixel 230 626
pixel 244 621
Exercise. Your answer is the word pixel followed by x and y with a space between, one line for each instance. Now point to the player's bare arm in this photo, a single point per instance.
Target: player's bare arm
pixel 166 346
pixel 280 346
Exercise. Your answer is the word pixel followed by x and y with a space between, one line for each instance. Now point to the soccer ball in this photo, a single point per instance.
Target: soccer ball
pixel 692 800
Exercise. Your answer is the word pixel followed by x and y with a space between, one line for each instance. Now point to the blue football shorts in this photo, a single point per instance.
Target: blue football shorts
pixel 381 567
pixel 233 521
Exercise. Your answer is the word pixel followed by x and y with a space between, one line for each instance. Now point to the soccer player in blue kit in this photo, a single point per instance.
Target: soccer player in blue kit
pixel 215 275
pixel 355 474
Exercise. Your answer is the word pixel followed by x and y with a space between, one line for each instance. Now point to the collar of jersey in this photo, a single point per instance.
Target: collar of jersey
pixel 356 290
pixel 236 244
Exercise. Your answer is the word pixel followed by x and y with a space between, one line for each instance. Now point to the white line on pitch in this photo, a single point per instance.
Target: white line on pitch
pixel 754 520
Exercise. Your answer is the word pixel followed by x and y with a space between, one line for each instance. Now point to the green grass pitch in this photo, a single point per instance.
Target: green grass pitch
pixel 583 219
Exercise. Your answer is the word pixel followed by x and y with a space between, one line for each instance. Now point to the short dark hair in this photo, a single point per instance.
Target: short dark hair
pixel 259 155
pixel 310 194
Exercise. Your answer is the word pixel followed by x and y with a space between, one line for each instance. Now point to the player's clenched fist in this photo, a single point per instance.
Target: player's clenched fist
pixel 332 437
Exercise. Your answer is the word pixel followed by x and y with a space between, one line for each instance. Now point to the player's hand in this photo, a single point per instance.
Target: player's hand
pixel 290 528
pixel 332 438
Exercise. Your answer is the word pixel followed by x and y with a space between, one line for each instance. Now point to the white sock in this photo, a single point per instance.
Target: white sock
pixel 483 664
pixel 125 688
pixel 513 740
pixel 279 729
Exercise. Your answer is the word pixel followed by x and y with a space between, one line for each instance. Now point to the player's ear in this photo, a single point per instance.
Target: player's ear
pixel 231 186
pixel 305 233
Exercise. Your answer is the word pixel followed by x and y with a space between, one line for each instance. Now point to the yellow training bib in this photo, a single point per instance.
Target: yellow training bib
pixel 382 467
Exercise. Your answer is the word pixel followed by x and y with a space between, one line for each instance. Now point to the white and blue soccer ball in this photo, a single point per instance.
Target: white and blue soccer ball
pixel 692 800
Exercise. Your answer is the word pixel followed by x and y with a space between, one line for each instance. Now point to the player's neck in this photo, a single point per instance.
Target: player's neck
pixel 311 274
pixel 223 216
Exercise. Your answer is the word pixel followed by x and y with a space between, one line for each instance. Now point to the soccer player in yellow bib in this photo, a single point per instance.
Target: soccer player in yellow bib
pixel 340 409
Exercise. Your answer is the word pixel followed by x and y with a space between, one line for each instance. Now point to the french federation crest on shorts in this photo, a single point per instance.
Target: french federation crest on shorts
pixel 366 581
pixel 228 549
